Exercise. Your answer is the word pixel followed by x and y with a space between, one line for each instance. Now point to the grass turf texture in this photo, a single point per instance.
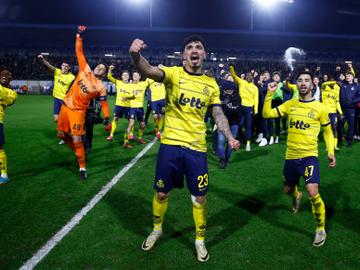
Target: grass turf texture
pixel 250 224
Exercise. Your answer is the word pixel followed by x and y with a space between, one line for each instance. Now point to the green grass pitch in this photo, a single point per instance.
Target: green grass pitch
pixel 250 225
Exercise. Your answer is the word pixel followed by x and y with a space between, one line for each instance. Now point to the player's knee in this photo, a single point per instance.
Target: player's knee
pixel 198 200
pixel 288 189
pixel 162 196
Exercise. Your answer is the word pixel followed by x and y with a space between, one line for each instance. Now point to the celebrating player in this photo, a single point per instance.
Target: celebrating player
pixel 62 82
pixel 305 116
pixel 122 104
pixel 87 85
pixel 183 147
pixel 249 94
pixel 7 98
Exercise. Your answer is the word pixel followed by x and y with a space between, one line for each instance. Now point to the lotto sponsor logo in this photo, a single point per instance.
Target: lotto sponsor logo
pixel 299 124
pixel 192 101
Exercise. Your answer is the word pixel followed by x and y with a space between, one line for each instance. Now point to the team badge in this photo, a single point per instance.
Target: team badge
pixel 206 90
pixel 311 114
pixel 160 183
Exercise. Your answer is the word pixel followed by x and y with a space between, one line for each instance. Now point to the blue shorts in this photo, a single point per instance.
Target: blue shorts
pixel 137 113
pixel 57 105
pixel 173 162
pixel 158 106
pixel 307 167
pixel 121 111
pixel 2 134
pixel 333 118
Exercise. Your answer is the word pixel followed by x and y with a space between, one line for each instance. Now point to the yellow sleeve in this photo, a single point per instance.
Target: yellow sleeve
pixel 338 105
pixel 170 73
pixel 7 96
pixel 269 112
pixel 238 80
pixel 291 86
pixel 352 70
pixel 111 78
pixel 256 100
pixel 328 134
pixel 215 98
pixel 324 84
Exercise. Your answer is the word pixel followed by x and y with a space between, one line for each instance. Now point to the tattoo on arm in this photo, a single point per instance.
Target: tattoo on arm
pixel 221 121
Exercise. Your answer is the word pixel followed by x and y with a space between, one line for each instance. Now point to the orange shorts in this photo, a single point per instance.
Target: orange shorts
pixel 71 121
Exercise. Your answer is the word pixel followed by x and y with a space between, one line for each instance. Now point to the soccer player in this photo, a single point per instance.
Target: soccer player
pixel 7 98
pixel 305 117
pixel 62 82
pixel 183 147
pixel 330 96
pixel 249 94
pixel 87 85
pixel 157 104
pixel 122 104
pixel 136 96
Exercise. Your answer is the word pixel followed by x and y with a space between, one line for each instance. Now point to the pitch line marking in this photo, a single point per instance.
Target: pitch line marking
pixel 44 250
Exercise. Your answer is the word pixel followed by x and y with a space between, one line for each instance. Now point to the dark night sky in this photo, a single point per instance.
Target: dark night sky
pixel 305 16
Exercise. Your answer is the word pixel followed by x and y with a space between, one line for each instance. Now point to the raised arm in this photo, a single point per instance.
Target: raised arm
pixel 79 48
pixel 268 112
pixel 233 74
pixel 110 75
pixel 223 126
pixel 141 64
pixel 46 63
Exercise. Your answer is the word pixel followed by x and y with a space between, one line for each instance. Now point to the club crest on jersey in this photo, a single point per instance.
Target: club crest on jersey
pixel 298 124
pixel 193 101
pixel 311 114
pixel 160 183
pixel 83 87
pixel 206 90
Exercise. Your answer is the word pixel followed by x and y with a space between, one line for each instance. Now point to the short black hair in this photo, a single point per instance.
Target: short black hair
pixel 194 38
pixel 304 73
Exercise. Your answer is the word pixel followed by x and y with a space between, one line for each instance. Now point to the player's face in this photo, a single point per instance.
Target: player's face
pixel 349 77
pixel 325 78
pixel 276 78
pixel 316 80
pixel 304 84
pixel 136 77
pixel 5 77
pixel 100 70
pixel 125 76
pixel 249 77
pixel 65 68
pixel 194 54
pixel 266 76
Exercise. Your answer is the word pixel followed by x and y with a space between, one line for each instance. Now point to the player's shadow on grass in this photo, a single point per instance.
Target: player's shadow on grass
pixel 135 214
pixel 346 216
pixel 241 211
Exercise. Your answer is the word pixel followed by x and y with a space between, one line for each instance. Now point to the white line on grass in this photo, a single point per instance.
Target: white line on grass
pixel 42 252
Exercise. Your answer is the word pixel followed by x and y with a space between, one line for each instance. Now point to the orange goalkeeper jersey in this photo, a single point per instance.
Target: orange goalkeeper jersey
pixel 86 86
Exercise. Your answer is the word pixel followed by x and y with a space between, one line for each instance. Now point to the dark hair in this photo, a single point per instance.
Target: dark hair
pixel 276 73
pixel 304 73
pixel 194 38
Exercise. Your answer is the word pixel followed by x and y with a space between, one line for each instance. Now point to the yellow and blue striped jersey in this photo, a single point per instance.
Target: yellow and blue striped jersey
pixel 157 90
pixel 304 121
pixel 330 95
pixel 7 98
pixel 122 91
pixel 136 94
pixel 248 91
pixel 62 82
pixel 187 98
